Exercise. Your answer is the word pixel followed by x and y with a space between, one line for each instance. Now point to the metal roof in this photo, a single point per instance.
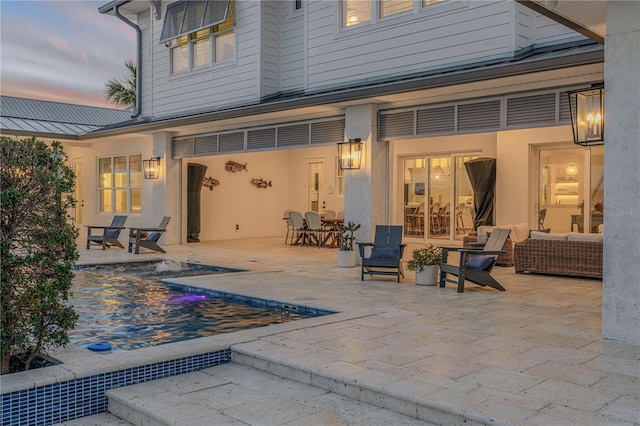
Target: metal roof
pixel 21 116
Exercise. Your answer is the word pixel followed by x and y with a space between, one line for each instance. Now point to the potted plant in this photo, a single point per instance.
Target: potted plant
pixel 346 238
pixel 424 261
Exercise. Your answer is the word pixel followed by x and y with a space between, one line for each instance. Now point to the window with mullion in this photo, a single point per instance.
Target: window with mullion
pixel 120 184
pixel 356 12
pixel 395 7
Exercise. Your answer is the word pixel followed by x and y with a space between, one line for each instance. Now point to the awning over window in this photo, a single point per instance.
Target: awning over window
pixel 188 16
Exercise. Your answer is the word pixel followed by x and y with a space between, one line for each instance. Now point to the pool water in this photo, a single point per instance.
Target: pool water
pixel 128 307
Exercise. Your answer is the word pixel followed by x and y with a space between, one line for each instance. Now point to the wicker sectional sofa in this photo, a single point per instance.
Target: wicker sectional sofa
pixel 571 254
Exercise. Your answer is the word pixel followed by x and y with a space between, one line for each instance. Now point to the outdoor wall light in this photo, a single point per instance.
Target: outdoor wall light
pixel 587 115
pixel 350 154
pixel 151 168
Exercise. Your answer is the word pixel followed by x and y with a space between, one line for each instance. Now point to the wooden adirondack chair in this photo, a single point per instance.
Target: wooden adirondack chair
pixel 147 237
pixel 109 235
pixel 386 252
pixel 475 264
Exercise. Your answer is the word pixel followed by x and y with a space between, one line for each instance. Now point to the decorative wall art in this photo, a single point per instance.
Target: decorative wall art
pixel 210 183
pixel 260 183
pixel 234 167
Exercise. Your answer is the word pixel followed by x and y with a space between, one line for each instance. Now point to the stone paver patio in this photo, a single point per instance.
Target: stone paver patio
pixel 532 355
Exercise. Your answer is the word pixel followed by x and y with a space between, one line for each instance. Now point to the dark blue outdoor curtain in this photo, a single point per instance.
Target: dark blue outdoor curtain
pixel 188 16
pixel 482 175
pixel 195 177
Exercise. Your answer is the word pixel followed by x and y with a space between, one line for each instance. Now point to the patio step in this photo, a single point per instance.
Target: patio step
pixel 358 390
pixel 235 394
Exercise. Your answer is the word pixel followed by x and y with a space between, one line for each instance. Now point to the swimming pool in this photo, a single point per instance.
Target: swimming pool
pixel 127 306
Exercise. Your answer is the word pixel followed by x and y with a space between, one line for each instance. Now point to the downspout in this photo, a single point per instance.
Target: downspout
pixel 116 12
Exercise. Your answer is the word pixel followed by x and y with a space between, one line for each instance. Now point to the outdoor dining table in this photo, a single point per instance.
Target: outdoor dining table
pixel 332 237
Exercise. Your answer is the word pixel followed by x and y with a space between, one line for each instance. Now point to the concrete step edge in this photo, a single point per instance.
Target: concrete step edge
pixel 409 405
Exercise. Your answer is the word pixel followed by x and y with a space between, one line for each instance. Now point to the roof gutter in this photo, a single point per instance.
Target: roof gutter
pixel 116 12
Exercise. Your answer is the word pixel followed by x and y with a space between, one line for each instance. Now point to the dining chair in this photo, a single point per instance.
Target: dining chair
pixel 300 233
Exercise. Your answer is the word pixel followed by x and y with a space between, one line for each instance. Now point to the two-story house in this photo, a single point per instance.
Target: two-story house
pixel 425 85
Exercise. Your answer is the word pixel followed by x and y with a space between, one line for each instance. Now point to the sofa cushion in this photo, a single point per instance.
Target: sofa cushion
pixel 111 233
pixel 480 262
pixel 153 236
pixel 384 253
pixel 537 235
pixel 520 232
pixel 578 236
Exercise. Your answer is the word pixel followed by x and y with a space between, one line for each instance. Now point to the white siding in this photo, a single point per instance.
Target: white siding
pixel 270 47
pixel 533 28
pixel 477 30
pixel 292 50
pixel 218 86
pixel 523 27
pixel 547 31
pixel 282 50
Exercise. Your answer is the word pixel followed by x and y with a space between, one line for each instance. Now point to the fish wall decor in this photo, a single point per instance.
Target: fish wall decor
pixel 260 183
pixel 210 183
pixel 234 167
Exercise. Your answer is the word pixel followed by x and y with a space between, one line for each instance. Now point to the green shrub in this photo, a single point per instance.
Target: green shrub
pixel 426 256
pixel 38 248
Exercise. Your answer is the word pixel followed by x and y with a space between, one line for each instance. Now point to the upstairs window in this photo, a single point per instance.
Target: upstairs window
pixel 395 7
pixel 199 33
pixel 355 12
pixel 358 12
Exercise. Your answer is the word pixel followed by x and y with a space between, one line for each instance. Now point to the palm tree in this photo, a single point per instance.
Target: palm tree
pixel 123 93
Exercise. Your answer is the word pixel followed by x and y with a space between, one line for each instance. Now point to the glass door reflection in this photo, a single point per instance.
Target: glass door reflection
pixel 414 196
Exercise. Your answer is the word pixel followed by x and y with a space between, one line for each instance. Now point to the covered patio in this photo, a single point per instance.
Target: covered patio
pixel 532 355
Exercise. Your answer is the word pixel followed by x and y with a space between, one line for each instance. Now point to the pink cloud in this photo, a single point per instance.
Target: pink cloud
pixel 61 45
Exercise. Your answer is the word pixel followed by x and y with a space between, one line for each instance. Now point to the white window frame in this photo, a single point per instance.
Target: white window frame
pixel 191 42
pixel 102 185
pixel 419 6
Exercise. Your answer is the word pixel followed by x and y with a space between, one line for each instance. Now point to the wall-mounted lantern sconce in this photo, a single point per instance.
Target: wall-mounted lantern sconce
pixel 151 168
pixel 587 115
pixel 350 154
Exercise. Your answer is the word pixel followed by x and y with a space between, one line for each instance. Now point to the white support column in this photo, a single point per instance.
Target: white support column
pixel 621 283
pixel 364 192
pixel 167 190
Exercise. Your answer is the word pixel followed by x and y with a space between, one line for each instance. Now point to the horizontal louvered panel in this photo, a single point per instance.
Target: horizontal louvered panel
pixel 531 109
pixel 396 124
pixel 327 132
pixel 293 135
pixel 181 148
pixel 436 120
pixel 231 142
pixel 261 139
pixel 565 111
pixel 206 145
pixel 483 115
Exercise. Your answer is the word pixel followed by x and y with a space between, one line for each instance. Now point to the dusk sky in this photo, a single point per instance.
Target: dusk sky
pixel 63 51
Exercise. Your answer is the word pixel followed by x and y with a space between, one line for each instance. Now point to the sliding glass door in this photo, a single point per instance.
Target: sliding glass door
pixel 437 197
